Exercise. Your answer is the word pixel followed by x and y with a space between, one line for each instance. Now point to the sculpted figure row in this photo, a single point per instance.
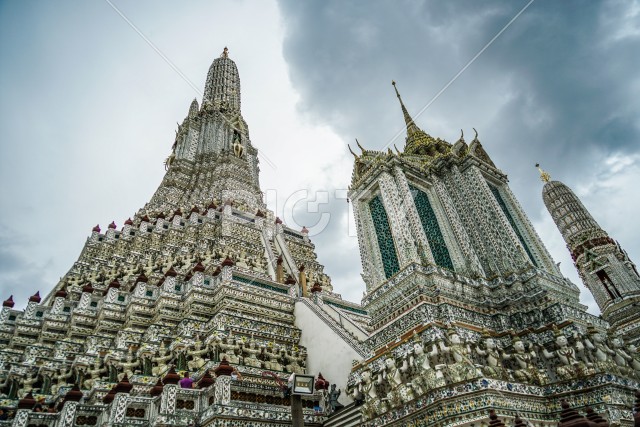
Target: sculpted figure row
pixel 451 360
pixel 148 361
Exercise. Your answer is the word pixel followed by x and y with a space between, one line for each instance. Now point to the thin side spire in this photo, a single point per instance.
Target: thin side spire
pixel 411 126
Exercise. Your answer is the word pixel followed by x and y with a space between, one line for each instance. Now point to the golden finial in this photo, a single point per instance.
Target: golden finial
pixel 544 176
pixel 225 53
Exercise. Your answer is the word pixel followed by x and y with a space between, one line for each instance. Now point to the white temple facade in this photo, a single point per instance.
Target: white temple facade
pixel 465 311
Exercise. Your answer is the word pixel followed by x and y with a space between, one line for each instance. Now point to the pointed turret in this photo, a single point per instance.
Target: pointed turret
pixel 193 109
pixel 602 264
pixel 411 126
pixel 418 141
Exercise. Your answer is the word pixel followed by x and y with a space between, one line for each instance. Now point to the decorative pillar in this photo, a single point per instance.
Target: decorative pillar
pixel 58 302
pixel 95 233
pixel 177 218
pixel 69 407
pixel 144 224
pixel 34 301
pixel 168 401
pixel 211 210
pixel 169 283
pixel 112 291
pixel 85 298
pixel 128 225
pixel 111 231
pixel 7 305
pixel 222 390
pixel 195 214
pixel 259 219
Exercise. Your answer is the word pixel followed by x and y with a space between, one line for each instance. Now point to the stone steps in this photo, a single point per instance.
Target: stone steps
pixel 349 416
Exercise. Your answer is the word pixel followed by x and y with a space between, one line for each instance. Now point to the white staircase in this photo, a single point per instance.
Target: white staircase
pixel 349 416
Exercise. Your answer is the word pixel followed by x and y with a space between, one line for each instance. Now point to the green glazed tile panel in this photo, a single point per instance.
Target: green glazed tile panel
pixel 431 229
pixel 385 238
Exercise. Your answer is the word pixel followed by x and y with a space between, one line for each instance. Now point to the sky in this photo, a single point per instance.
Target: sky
pixel 91 93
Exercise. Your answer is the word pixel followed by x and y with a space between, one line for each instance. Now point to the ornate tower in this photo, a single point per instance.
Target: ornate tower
pixel 603 266
pixel 446 211
pixel 212 156
pixel 202 277
pixel 461 292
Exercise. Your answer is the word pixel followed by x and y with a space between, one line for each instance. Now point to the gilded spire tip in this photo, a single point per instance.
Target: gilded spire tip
pixel 544 176
pixel 225 53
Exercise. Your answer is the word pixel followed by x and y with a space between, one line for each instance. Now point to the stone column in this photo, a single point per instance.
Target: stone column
pixel 222 390
pixel 68 414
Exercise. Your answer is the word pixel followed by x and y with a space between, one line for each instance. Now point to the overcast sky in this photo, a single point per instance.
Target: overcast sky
pixel 88 108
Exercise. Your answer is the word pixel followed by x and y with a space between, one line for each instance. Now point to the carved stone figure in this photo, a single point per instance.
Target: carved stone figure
pixel 62 379
pixel 238 148
pixel 525 369
pixel 228 348
pixel 462 367
pixel 568 364
pixel 424 376
pixel 94 374
pixel 197 361
pixel 251 352
pixel 620 357
pixel 273 359
pixel 28 382
pixel 367 388
pixel 600 354
pixel 163 355
pixel 333 398
pixel 492 367
pixel 128 366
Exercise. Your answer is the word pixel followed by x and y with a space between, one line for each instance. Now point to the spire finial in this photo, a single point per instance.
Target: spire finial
pixel 354 154
pixel 411 126
pixel 544 176
pixel 225 53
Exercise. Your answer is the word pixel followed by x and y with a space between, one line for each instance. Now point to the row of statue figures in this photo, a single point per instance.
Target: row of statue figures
pixel 451 359
pixel 149 362
pixel 183 264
